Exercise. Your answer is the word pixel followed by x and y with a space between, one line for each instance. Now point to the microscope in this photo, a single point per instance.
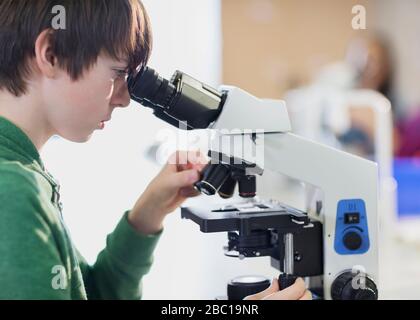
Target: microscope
pixel 333 244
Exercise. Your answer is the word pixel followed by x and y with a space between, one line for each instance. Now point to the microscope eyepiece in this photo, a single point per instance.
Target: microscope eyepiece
pixel 149 86
pixel 183 101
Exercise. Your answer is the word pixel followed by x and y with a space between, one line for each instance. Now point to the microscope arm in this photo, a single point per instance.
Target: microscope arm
pixel 348 183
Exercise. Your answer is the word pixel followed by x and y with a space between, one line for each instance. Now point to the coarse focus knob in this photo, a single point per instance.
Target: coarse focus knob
pixel 343 289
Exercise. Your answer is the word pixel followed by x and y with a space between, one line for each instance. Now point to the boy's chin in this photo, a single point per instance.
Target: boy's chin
pixel 79 138
pixel 84 139
pixel 76 134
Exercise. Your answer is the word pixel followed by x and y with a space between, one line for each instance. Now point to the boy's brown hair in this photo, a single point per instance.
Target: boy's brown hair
pixel 120 28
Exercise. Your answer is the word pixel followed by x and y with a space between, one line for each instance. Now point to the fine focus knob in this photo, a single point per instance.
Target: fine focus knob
pixel 342 289
pixel 240 287
pixel 352 240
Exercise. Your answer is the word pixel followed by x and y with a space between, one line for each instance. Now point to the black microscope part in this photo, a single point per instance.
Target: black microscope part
pixel 183 101
pixel 227 189
pixel 247 186
pixel 286 280
pixel 223 173
pixel 256 243
pixel 343 289
pixel 212 178
pixel 243 286
pixel 257 232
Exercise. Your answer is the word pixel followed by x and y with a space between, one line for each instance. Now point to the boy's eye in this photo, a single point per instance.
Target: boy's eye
pixel 120 73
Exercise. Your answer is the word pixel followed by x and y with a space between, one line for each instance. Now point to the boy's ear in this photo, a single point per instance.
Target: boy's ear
pixel 45 59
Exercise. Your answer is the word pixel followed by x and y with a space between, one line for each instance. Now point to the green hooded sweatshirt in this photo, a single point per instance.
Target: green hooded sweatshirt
pixel 37 257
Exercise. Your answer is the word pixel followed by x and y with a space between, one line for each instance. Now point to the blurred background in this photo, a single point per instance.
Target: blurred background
pixel 355 89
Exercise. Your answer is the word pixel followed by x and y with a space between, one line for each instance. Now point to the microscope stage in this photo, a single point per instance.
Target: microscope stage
pixel 250 215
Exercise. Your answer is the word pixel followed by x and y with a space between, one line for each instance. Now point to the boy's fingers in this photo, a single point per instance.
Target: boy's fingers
pixel 184 178
pixel 306 296
pixel 183 167
pixel 199 166
pixel 294 292
pixel 184 160
pixel 189 192
pixel 274 287
pixel 177 161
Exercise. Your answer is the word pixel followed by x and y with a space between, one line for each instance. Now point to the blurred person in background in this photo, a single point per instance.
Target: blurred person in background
pixel 367 65
pixel 372 65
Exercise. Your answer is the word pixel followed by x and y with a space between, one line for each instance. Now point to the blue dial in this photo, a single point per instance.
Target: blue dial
pixel 351 228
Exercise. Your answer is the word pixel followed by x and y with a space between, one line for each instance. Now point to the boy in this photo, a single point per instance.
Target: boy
pixel 67 82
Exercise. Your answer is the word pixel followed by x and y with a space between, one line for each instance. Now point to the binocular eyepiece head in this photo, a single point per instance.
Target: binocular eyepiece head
pixel 182 101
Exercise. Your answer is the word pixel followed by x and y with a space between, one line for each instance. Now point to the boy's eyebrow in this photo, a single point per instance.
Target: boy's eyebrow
pixel 121 66
pixel 124 64
pixel 122 60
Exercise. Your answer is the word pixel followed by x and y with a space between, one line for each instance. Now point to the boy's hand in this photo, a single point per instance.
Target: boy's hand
pixel 167 191
pixel 295 292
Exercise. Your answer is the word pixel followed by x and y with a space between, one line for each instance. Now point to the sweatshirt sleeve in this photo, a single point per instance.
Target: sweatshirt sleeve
pixel 120 267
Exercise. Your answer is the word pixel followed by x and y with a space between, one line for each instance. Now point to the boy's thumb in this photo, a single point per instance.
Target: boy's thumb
pixel 185 178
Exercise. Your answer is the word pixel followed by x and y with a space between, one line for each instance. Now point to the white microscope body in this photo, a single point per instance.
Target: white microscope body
pixel 335 240
pixel 258 131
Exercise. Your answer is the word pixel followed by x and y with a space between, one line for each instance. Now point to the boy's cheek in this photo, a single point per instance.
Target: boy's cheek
pixel 77 107
pixel 97 90
pixel 90 96
pixel 92 91
pixel 76 111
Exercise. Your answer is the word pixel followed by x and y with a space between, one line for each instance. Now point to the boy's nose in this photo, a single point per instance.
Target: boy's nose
pixel 121 97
